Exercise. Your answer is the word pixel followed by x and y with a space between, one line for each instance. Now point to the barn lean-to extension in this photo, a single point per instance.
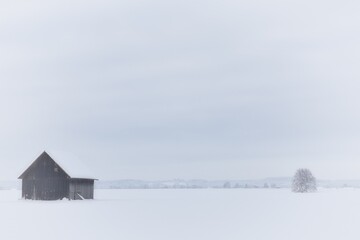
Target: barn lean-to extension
pixel 46 180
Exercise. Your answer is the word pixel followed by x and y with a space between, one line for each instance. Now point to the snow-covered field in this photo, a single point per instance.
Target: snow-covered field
pixel 202 214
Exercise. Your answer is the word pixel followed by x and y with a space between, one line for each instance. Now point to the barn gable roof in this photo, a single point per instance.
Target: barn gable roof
pixel 71 167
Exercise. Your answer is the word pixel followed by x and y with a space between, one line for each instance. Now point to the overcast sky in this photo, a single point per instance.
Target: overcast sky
pixel 182 89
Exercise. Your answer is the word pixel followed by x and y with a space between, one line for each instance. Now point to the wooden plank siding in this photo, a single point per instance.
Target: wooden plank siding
pixel 81 188
pixel 45 189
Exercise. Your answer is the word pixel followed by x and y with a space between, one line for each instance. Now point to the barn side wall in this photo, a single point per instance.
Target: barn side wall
pixel 81 188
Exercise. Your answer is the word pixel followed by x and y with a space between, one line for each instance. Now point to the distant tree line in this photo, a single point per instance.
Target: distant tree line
pixel 225 185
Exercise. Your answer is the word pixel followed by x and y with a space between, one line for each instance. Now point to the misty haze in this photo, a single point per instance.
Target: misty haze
pixel 181 120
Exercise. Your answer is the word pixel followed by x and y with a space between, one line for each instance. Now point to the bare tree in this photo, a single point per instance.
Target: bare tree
pixel 227 185
pixel 304 181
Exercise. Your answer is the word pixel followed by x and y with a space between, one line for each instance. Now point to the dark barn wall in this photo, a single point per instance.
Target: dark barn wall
pixel 45 189
pixel 82 187
pixel 45 180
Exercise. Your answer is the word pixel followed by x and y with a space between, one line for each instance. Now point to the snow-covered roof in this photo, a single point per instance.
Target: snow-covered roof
pixel 72 165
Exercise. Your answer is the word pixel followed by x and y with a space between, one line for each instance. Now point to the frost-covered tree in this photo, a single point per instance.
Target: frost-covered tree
pixel 304 181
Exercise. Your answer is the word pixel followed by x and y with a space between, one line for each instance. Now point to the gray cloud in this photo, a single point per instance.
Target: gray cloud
pixel 231 89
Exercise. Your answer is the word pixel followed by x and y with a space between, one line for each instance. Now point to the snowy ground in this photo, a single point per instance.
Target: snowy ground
pixel 203 214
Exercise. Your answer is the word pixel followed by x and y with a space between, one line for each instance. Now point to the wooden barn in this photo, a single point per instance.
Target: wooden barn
pixel 46 180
